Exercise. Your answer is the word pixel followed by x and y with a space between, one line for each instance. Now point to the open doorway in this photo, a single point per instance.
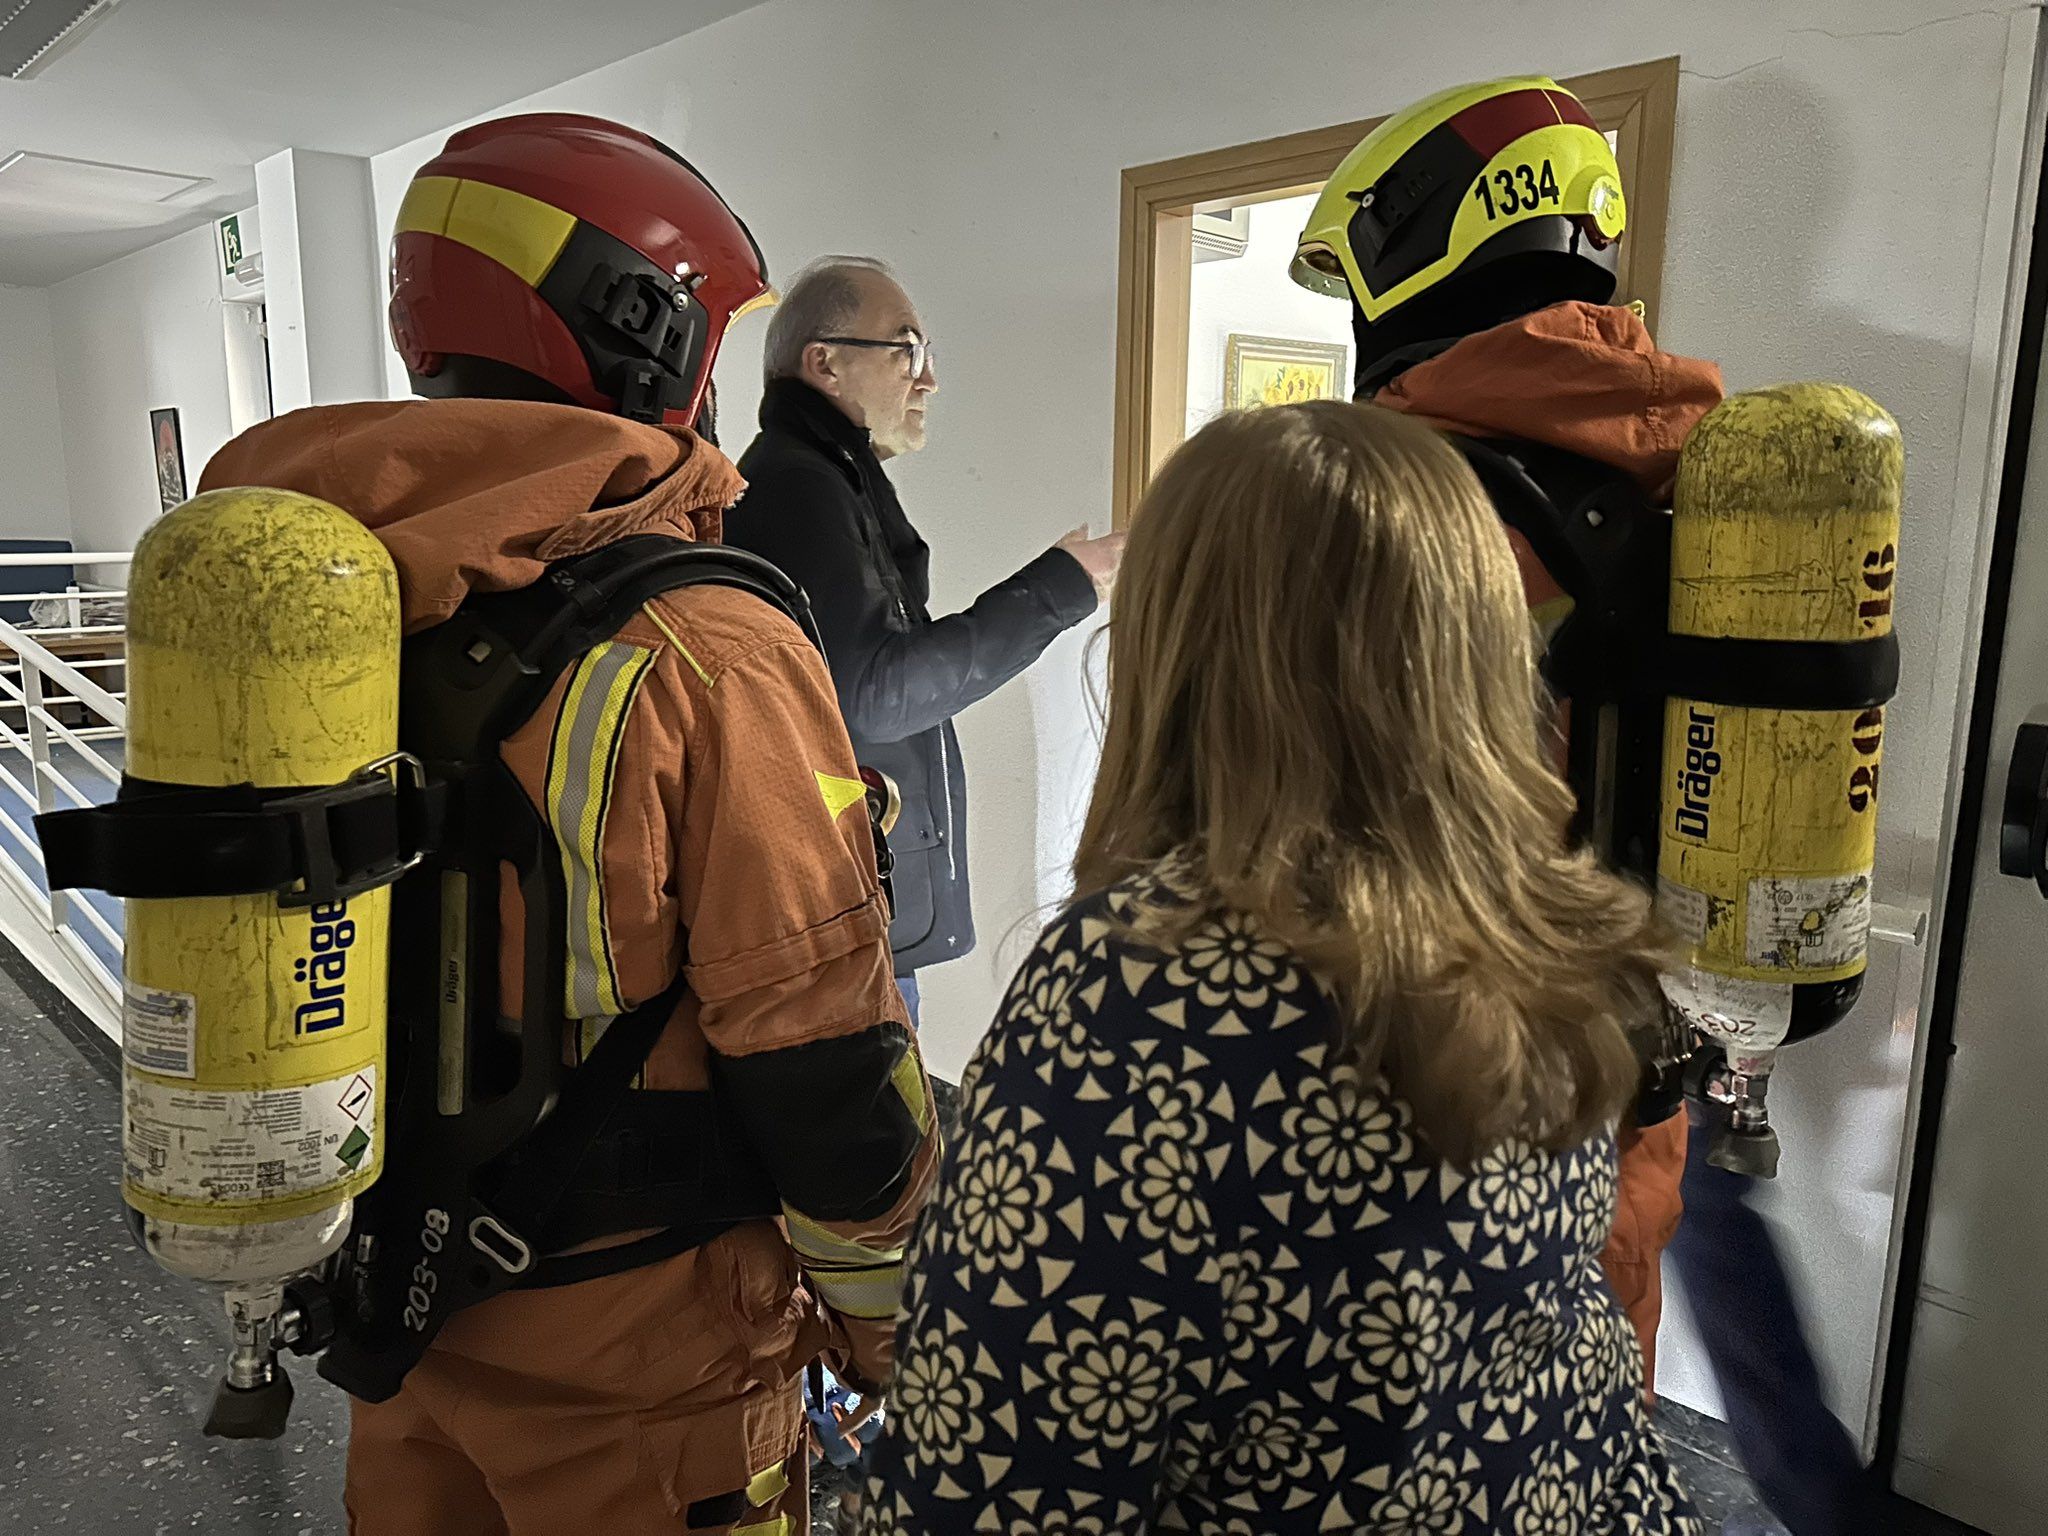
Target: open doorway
pixel 1201 262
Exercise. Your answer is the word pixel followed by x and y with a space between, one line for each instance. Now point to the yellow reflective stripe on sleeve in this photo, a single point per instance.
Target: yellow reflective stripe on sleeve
pixel 514 230
pixel 581 759
pixel 869 1294
pixel 818 1245
pixel 766 1486
pixel 909 1080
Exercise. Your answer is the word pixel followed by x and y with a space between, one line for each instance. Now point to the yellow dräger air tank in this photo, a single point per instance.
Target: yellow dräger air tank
pixel 262 652
pixel 1784 537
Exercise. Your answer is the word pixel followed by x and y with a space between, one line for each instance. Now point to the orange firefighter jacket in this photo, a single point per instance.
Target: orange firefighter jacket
pixel 700 782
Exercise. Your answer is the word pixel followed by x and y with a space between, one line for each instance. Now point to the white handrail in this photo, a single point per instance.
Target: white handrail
pixel 98 920
pixel 73 631
pixel 29 845
pixel 61 672
pixel 40 715
pixel 66 557
pixel 61 758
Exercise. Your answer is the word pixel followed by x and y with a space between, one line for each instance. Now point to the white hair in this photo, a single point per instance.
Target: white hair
pixel 821 300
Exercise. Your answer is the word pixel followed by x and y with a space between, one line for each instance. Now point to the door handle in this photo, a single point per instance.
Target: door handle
pixel 2023 834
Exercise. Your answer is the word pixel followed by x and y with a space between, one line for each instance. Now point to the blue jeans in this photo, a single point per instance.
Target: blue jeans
pixel 1796 1452
pixel 907 985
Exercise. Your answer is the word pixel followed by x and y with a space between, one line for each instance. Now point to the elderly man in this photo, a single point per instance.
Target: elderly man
pixel 849 375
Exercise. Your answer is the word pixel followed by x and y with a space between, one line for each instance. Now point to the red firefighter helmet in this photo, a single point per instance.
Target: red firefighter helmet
pixel 575 252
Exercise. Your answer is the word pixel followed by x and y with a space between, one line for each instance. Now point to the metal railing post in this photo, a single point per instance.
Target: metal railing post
pixel 38 767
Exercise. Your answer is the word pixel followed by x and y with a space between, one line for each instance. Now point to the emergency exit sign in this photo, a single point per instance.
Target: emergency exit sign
pixel 230 243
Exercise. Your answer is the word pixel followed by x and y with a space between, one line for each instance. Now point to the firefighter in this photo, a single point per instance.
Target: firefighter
pixel 560 288
pixel 1476 235
pixel 1479 302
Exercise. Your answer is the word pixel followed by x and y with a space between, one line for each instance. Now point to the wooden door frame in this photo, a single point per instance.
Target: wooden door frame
pixel 1155 248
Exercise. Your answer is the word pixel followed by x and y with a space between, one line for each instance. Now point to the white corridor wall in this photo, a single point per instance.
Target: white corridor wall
pixel 133 336
pixel 1846 174
pixel 35 501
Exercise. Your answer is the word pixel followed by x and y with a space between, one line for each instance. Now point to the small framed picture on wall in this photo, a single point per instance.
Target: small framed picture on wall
pixel 168 448
pixel 1272 370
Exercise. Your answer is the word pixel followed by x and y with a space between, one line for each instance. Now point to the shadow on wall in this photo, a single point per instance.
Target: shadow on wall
pixel 999 739
pixel 1035 747
pixel 1840 1100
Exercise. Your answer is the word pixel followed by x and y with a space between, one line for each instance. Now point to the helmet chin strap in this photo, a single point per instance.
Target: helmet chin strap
pixel 647 392
pixel 1376 374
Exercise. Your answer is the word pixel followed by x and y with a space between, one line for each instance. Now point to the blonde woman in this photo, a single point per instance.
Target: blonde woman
pixel 1286 1168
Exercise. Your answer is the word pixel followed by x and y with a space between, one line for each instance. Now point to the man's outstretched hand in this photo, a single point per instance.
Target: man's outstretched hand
pixel 1098 557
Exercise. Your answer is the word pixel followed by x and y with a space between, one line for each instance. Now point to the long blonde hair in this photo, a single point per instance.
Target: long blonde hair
pixel 1324 712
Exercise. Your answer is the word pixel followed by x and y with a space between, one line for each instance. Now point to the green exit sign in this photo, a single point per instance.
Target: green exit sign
pixel 230 243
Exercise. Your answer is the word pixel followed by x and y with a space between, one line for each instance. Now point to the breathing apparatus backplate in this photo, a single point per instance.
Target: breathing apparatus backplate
pixel 513 1179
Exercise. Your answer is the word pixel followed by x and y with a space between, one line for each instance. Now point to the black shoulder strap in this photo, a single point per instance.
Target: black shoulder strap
pixel 1608 545
pixel 493 1176
pixel 1601 539
pixel 597 592
pixel 467 686
pixel 472 681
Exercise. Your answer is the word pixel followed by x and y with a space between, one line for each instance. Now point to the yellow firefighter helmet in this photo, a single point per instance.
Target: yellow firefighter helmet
pixel 1507 171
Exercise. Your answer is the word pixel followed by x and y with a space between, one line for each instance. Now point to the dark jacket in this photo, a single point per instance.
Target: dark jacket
pixel 819 506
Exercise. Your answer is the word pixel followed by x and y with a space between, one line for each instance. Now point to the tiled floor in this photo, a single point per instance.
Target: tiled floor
pixel 1706 1461
pixel 106 1363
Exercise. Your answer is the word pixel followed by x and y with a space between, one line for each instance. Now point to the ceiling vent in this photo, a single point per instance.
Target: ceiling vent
pixel 34 32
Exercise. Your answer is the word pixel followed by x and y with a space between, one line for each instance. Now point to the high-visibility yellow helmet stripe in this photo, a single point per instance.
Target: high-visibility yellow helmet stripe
pixel 516 231
pixel 1556 166
pixel 582 758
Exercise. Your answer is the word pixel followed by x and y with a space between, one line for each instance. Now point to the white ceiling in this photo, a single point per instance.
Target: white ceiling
pixel 205 88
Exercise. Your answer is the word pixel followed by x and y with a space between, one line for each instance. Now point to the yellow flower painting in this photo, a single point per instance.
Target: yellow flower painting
pixel 1270 370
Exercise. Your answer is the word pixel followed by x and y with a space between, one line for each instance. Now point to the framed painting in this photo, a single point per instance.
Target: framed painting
pixel 1271 370
pixel 167 448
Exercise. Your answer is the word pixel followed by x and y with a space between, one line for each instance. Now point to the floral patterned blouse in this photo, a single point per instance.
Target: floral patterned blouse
pixel 1186 1271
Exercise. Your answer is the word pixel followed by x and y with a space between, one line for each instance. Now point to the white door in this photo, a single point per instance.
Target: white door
pixel 1973 1415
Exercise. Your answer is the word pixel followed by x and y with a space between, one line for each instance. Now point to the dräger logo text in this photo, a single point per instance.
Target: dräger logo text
pixel 324 973
pixel 1697 778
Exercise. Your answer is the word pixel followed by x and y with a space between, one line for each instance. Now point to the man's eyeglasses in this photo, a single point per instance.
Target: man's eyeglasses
pixel 918 351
